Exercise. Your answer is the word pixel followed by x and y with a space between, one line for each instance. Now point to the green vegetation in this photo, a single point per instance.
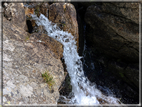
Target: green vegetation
pixel 27 37
pixel 48 79
pixel 64 9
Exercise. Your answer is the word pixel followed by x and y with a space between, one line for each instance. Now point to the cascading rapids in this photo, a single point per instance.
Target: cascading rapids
pixel 83 92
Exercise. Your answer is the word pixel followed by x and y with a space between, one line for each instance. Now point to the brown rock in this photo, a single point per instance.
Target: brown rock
pixel 41 7
pixel 129 10
pixel 44 9
pixel 29 11
pixel 50 43
pixel 36 8
pixel 64 14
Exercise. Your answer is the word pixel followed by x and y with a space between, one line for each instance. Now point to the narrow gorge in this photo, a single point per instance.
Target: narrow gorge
pixel 90 50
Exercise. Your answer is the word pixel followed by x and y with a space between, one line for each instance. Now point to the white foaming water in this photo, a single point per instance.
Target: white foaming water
pixel 83 92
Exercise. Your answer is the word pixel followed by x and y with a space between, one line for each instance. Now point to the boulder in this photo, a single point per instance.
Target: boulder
pixel 25 58
pixel 112 39
pixel 114 29
pixel 64 14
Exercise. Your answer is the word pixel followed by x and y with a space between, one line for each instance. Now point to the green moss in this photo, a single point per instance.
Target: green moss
pixel 48 79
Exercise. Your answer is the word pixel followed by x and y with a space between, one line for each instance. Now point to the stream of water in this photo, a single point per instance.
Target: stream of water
pixel 83 92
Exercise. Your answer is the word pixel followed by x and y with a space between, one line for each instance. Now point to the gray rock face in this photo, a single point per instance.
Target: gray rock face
pixel 23 63
pixel 55 46
pixel 15 12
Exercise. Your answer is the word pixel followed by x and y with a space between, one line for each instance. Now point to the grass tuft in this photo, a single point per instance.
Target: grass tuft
pixel 48 79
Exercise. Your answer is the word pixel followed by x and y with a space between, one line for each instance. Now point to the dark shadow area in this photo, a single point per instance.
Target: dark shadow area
pixel 29 25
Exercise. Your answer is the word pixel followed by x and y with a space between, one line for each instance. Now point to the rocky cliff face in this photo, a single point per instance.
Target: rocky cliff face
pixel 113 39
pixel 25 59
pixel 116 26
pixel 64 14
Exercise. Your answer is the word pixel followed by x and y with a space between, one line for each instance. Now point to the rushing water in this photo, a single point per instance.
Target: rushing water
pixel 83 91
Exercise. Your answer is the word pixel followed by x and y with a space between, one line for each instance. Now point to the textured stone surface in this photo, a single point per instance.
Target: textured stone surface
pixel 24 60
pixel 44 7
pixel 15 12
pixel 64 14
pixel 112 37
pixel 35 8
pixel 114 30
pixel 55 46
pixel 39 7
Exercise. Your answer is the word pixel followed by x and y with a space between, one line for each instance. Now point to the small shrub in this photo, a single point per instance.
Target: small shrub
pixel 48 79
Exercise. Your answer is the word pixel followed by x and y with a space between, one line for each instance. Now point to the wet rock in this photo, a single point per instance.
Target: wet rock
pixel 39 8
pixel 35 8
pixel 64 14
pixel 114 77
pixel 25 58
pixel 114 30
pixel 112 37
pixel 44 8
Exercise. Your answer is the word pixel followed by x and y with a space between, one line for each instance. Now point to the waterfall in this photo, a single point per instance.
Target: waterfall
pixel 83 91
